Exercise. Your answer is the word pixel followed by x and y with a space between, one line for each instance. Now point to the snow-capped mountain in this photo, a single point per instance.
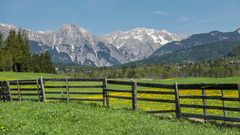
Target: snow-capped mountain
pixel 82 46
pixel 140 43
pixel 197 40
pixel 71 43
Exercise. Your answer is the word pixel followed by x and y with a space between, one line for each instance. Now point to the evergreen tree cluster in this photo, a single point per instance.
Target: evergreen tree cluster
pixel 15 55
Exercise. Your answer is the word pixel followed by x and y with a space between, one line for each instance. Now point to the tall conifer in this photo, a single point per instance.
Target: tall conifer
pixel 1 52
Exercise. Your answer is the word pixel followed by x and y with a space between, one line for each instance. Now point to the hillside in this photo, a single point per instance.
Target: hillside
pixel 197 53
pixel 235 51
pixel 73 118
pixel 198 39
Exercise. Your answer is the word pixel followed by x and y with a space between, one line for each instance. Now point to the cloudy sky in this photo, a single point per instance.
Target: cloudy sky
pixel 106 16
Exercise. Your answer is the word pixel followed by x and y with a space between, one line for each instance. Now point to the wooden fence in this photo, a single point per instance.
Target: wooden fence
pixel 47 89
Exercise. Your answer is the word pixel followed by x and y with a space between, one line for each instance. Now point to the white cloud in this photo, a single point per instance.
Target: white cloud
pixel 185 18
pixel 160 13
pixel 176 16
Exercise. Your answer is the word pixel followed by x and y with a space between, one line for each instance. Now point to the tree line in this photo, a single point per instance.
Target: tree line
pixel 15 55
pixel 223 67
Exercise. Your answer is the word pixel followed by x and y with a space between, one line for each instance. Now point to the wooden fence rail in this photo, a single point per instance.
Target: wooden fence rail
pixel 74 89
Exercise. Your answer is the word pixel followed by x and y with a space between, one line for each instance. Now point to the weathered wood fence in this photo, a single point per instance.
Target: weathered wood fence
pixel 47 89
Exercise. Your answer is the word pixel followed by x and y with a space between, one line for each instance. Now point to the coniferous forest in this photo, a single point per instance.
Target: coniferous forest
pixel 15 55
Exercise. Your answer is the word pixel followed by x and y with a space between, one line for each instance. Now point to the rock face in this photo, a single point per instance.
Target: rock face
pixel 72 44
pixel 139 43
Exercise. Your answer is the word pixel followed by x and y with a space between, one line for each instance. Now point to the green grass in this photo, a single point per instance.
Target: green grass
pixel 119 103
pixel 142 105
pixel 26 75
pixel 190 80
pixel 73 118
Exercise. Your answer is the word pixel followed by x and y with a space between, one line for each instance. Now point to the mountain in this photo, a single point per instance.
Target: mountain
pixel 80 45
pixel 235 51
pixel 207 51
pixel 205 46
pixel 140 43
pixel 72 44
pixel 198 39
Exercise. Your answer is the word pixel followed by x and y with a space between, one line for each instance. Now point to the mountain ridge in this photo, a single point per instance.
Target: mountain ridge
pixel 197 39
pixel 86 48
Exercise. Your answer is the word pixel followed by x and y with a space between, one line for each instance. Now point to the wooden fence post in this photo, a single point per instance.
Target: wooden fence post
pixel 134 96
pixel 67 89
pixel 239 91
pixel 38 90
pixel 204 101
pixel 177 100
pixel 104 83
pixel 19 92
pixel 223 102
pixel 2 91
pixel 106 92
pixel 9 98
pixel 43 90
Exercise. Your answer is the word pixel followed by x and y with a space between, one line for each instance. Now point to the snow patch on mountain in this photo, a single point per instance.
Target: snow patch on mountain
pixel 140 43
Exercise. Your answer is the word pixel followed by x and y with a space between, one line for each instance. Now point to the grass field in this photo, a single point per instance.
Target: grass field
pixel 61 118
pixel 117 104
pixel 26 76
pixel 23 76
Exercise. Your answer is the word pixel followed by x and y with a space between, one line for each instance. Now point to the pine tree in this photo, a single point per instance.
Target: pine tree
pixel 24 52
pixel 49 67
pixel 35 63
pixel 10 51
pixel 15 55
pixel 17 51
pixel 1 52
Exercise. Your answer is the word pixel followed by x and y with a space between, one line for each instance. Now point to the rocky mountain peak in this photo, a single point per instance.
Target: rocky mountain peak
pixel 71 43
pixel 73 29
pixel 140 42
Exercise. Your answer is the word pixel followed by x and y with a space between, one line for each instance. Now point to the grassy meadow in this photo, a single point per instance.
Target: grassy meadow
pixel 61 116
pixel 70 119
pixel 26 75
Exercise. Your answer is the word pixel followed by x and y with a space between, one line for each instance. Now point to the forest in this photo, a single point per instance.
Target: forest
pixel 15 55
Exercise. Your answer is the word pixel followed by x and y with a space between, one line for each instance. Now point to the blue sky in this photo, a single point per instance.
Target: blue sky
pixel 106 16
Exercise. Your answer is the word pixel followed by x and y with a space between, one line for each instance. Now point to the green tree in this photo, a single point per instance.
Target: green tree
pixel 10 51
pixel 1 52
pixel 24 51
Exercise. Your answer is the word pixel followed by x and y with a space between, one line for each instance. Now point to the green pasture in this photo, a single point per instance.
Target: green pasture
pixel 26 75
pixel 142 105
pixel 74 118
